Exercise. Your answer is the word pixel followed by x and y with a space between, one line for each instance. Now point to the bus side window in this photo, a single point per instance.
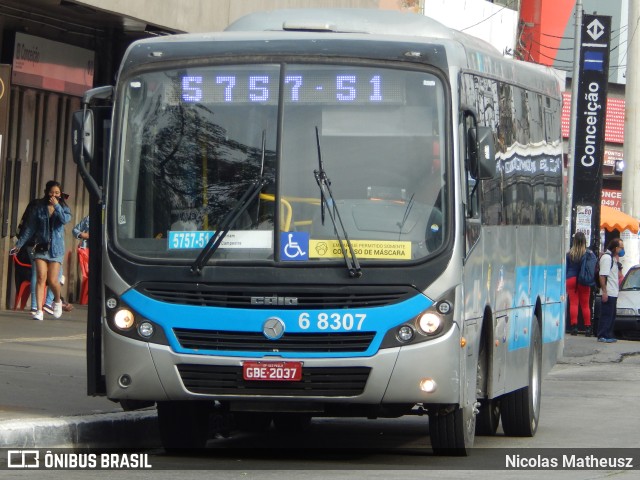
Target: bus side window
pixel 472 190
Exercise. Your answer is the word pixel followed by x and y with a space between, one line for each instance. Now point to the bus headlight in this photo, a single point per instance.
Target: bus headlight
pixel 124 319
pixel 426 325
pixel 430 323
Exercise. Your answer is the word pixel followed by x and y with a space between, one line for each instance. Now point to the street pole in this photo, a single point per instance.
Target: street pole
pixel 631 148
pixel 573 120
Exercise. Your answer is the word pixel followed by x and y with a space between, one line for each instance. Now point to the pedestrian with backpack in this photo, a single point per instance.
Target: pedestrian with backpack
pixel 580 261
pixel 609 285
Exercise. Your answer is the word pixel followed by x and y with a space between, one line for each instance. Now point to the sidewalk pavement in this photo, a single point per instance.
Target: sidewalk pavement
pixel 43 400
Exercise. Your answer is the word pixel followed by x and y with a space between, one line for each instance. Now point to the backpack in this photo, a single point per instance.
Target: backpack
pixel 597 269
pixel 589 270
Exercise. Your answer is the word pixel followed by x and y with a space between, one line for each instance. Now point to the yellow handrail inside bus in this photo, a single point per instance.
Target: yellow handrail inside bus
pixel 288 215
pixel 287 206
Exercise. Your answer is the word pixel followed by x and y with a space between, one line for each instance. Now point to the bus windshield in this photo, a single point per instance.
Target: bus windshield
pixel 194 140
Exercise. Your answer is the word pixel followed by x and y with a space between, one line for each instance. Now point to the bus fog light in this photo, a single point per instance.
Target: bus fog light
pixel 404 334
pixel 145 329
pixel 124 319
pixel 124 381
pixel 430 323
pixel 428 385
pixel 111 303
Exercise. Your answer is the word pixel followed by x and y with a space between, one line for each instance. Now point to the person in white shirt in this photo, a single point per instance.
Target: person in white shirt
pixel 609 286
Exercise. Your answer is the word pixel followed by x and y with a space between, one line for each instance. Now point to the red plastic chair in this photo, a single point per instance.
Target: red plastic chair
pixel 24 290
pixel 83 261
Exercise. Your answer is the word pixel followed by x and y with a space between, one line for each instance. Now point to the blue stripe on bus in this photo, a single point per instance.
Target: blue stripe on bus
pixel 169 316
pixel 546 282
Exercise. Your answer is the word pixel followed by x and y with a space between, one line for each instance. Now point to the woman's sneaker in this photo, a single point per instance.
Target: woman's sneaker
pixel 48 308
pixel 57 309
pixel 38 315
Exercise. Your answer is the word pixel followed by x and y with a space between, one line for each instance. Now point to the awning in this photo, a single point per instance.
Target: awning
pixel 612 219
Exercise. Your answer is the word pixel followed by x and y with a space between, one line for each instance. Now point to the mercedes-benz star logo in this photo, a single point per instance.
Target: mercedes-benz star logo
pixel 273 328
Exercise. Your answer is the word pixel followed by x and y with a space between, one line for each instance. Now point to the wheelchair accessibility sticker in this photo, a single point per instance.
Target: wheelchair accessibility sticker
pixel 294 246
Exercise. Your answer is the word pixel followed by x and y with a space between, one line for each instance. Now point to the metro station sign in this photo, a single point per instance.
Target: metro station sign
pixel 588 148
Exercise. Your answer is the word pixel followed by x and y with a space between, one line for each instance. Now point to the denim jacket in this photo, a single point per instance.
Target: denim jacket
pixel 37 227
pixel 82 227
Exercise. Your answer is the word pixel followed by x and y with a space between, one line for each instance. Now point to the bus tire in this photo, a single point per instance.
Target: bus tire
pixel 520 410
pixel 488 417
pixel 452 431
pixel 183 425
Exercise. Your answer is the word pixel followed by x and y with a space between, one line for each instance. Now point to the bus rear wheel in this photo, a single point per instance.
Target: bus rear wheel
pixel 521 408
pixel 184 425
pixel 452 431
pixel 488 417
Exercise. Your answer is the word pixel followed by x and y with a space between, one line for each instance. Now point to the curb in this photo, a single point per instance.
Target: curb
pixel 108 430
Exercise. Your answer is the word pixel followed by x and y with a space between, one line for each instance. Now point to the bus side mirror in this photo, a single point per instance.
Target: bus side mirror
pixel 82 136
pixel 482 153
pixel 82 146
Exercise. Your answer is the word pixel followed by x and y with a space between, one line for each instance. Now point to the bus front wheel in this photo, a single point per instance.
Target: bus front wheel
pixel 183 425
pixel 521 409
pixel 452 430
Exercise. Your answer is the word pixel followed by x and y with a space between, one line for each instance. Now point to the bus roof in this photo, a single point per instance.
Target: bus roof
pixel 463 50
pixel 365 33
pixel 355 20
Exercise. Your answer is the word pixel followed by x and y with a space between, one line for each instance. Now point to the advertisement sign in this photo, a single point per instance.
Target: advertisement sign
pixel 612 198
pixel 54 66
pixel 589 143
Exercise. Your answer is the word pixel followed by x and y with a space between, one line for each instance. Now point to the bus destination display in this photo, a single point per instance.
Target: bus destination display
pixel 358 86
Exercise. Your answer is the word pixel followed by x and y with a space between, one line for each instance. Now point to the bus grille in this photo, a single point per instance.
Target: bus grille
pixel 289 342
pixel 316 381
pixel 307 297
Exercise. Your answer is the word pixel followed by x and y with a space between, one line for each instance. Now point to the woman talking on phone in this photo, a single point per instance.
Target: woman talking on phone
pixel 45 228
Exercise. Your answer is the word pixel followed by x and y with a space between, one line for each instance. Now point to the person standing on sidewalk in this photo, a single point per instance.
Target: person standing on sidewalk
pixel 579 295
pixel 81 232
pixel 45 227
pixel 609 285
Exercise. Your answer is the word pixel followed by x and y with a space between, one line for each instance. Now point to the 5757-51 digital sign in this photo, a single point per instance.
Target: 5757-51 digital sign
pixel 310 85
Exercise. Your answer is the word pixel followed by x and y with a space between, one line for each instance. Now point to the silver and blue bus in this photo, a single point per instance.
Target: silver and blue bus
pixel 325 213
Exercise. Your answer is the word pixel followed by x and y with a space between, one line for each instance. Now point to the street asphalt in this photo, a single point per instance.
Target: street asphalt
pixel 43 401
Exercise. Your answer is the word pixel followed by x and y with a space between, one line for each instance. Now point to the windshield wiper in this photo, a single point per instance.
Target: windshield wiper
pixel 231 217
pixel 350 259
pixel 407 211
